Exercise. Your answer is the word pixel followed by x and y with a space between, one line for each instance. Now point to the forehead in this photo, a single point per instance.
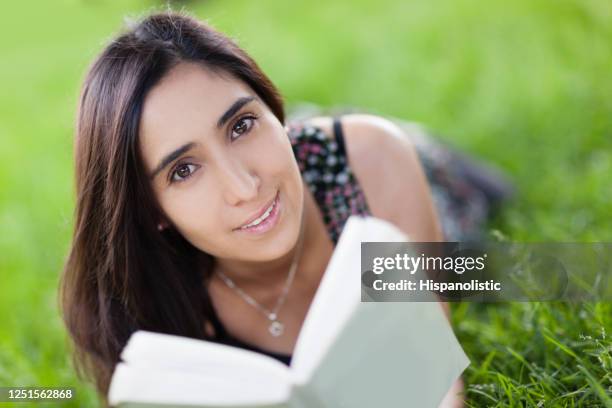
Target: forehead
pixel 187 101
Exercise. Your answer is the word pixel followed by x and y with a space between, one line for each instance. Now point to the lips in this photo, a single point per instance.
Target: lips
pixel 259 213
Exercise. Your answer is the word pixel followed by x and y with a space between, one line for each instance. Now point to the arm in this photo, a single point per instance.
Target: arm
pixel 387 166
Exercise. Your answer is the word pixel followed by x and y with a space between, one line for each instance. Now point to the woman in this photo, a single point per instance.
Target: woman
pixel 199 212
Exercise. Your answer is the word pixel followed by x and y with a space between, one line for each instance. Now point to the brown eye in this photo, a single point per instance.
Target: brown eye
pixel 183 172
pixel 242 126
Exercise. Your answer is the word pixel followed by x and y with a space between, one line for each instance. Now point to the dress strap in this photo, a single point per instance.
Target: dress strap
pixel 339 135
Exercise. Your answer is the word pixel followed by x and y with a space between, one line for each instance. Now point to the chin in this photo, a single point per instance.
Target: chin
pixel 273 249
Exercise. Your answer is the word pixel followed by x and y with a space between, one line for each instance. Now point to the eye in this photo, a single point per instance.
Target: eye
pixel 242 126
pixel 182 172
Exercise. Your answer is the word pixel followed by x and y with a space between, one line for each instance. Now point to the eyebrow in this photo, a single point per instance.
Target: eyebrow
pixel 231 111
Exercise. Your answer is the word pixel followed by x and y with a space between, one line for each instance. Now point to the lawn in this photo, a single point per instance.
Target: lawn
pixel 525 84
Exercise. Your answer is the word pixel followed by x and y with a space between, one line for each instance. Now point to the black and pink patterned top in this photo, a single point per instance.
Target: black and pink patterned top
pixel 324 165
pixel 463 190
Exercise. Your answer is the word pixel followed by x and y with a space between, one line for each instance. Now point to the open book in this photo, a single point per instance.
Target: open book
pixel 348 353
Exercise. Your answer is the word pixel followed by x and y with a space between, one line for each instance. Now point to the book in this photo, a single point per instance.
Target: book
pixel 348 353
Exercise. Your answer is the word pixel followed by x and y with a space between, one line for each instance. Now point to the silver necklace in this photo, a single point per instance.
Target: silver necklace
pixel 276 328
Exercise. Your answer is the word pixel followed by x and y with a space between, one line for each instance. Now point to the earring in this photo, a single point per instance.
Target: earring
pixel 160 227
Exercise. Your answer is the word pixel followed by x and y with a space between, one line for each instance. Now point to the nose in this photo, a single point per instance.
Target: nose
pixel 238 183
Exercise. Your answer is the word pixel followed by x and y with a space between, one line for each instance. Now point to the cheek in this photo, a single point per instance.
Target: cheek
pixel 193 211
pixel 269 151
pixel 199 220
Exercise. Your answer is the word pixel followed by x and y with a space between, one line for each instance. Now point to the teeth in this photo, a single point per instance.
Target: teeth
pixel 262 218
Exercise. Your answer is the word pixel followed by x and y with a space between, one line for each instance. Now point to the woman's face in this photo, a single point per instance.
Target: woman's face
pixel 217 157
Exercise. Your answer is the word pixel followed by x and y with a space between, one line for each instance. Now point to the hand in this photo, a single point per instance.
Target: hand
pixel 453 398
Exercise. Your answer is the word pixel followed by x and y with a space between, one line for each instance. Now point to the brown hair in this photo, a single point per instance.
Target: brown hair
pixel 122 274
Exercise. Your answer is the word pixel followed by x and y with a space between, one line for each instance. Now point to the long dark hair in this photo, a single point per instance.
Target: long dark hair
pixel 122 274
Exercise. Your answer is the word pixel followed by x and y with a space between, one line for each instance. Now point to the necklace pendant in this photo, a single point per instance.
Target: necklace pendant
pixel 276 328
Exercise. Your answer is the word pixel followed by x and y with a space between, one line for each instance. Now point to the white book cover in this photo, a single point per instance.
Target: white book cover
pixel 348 353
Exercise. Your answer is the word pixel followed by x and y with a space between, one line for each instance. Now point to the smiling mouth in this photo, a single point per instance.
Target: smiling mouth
pixel 262 217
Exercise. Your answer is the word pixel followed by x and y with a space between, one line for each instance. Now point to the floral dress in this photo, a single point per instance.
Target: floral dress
pixel 464 192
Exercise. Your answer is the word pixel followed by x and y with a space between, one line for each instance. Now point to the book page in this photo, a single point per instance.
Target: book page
pixel 391 354
pixel 237 375
pixel 137 386
pixel 338 294
pixel 373 354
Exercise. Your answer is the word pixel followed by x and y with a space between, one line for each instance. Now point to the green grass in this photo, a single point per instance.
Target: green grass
pixel 525 84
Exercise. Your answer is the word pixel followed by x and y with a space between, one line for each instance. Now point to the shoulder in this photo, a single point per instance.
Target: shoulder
pixel 375 146
pixel 363 132
pixel 385 162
